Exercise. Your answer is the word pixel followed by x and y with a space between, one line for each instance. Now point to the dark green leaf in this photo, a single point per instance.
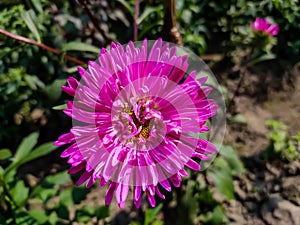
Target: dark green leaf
pixel 53 91
pixel 24 218
pixel 79 194
pixel 102 212
pixel 127 6
pixel 33 82
pixel 79 46
pixel 37 5
pixel 2 219
pixel 28 18
pixel 62 212
pixel 5 154
pixel 85 214
pixel 147 12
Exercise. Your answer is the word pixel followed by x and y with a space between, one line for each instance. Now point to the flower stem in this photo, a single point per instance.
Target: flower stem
pixel 43 46
pixel 170 30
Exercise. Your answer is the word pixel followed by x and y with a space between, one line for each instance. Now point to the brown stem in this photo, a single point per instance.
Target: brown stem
pixel 94 21
pixel 43 46
pixel 136 16
pixel 170 31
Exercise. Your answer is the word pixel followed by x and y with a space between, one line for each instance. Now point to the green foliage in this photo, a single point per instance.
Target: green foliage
pixel 282 145
pixel 16 194
pixel 224 169
pixel 150 217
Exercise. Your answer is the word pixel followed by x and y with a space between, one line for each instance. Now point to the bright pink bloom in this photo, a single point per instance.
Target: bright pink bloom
pixel 137 109
pixel 263 25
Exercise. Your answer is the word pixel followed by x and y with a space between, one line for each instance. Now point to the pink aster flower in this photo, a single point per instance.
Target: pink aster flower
pixel 138 111
pixel 263 25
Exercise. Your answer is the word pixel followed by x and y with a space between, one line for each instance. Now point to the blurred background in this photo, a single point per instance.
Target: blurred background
pixel 256 177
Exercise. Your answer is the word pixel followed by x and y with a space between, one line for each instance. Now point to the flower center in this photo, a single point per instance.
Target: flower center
pixel 138 123
pixel 141 115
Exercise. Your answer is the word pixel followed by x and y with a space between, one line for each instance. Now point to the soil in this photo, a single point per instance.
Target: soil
pixel 269 192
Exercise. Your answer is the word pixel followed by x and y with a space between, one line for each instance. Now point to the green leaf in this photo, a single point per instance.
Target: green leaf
pixel 151 214
pixel 216 217
pixel 44 194
pixel 23 217
pixel 28 18
pixel 2 220
pixel 58 178
pixel 80 46
pixel 45 190
pixel 84 214
pixel 147 12
pixel 223 181
pixel 65 197
pixel 37 5
pixel 262 58
pixel 54 91
pixel 127 6
pixel 102 212
pixel 60 107
pixel 232 159
pixel 33 82
pixel 79 193
pixel 190 202
pixel 20 193
pixel 62 212
pixel 53 218
pixel 5 154
pixel 41 150
pixel 1 171
pixel 238 118
pixel 135 223
pixel 157 222
pixel 222 164
pixel 25 147
pixel 39 216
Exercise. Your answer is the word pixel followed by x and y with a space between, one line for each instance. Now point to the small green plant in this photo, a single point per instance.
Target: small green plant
pixel 150 217
pixel 13 191
pixel 24 203
pixel 282 144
